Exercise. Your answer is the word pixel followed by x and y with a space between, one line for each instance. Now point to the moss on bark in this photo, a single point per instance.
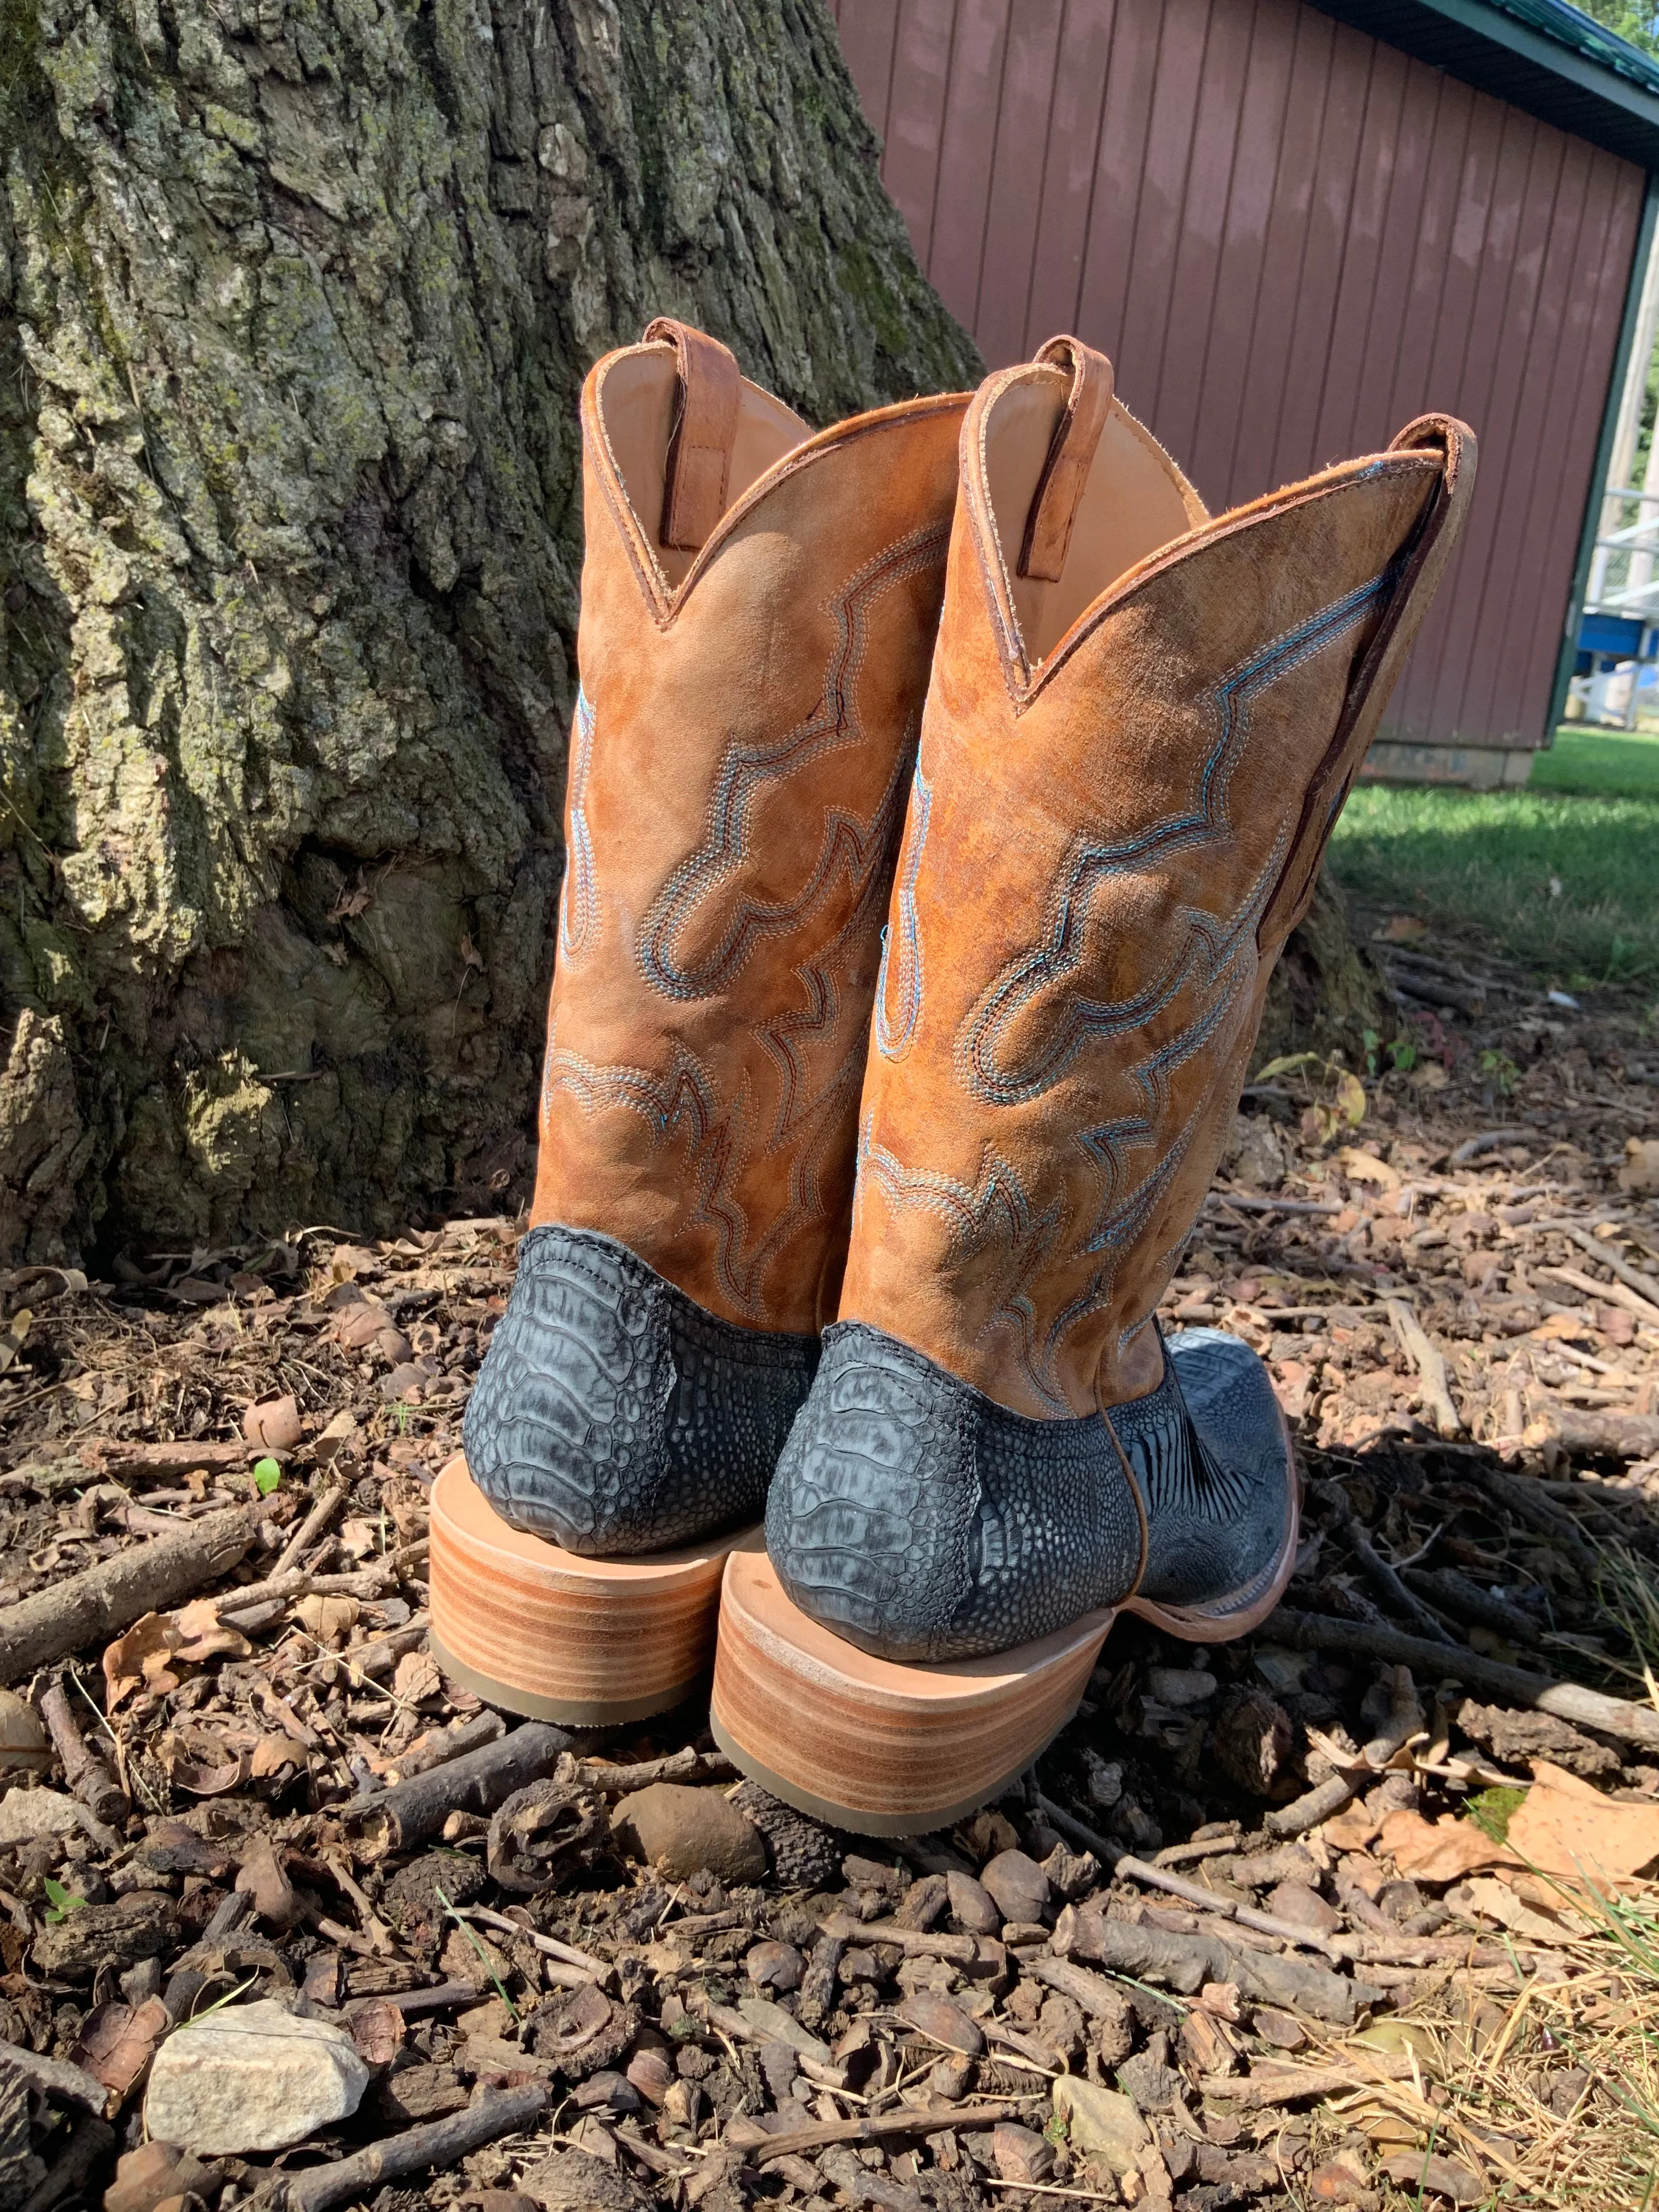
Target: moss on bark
pixel 295 300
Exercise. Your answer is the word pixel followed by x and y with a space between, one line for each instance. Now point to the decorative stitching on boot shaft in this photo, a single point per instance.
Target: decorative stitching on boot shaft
pixel 834 722
pixel 613 1416
pixel 576 895
pixel 890 1040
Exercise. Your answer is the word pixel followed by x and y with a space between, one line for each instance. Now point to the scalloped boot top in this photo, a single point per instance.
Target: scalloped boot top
pixel 758 609
pixel 1141 725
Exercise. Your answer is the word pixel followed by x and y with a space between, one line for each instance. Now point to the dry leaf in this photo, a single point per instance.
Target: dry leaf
pixel 144 1658
pixel 1442 1852
pixel 337 1442
pixel 22 1735
pixel 1565 1328
pixel 416 1678
pixel 1494 1898
pixel 118 2041
pixel 1353 1830
pixel 11 1341
pixel 330 1619
pixel 1424 2175
pixel 1567 1827
pixel 271 1755
pixel 202 1776
pixel 1401 929
pixel 360 1537
pixel 1365 1167
pixel 261 1876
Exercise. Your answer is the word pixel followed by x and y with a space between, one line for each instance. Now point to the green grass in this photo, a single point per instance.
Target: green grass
pixel 1568 882
pixel 1614 763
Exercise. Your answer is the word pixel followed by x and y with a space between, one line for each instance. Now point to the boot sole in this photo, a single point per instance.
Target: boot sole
pixel 1225 1618
pixel 867 1744
pixel 543 1632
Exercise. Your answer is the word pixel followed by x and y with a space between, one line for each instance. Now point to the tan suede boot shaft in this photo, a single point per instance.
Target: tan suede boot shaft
pixel 1140 728
pixel 758 612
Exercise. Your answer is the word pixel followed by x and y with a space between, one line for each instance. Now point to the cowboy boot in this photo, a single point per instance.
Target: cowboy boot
pixel 757 615
pixel 1140 726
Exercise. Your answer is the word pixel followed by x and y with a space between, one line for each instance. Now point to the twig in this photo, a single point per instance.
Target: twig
pixel 592 1969
pixel 437 2142
pixel 918 1943
pixel 308 1531
pixel 413 1810
pixel 762 2148
pixel 1598 1248
pixel 1193 1892
pixel 101 1600
pixel 1384 1579
pixel 1270 1205
pixel 366 1581
pixel 451 1913
pixel 1615 1293
pixel 1430 1368
pixel 1106 1849
pixel 1283 2085
pixel 85 1773
pixel 1510 1685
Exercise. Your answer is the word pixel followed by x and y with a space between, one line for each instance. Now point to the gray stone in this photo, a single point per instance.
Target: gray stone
pixel 1018 1885
pixel 774 2025
pixel 252 2077
pixel 27 1816
pixel 972 1906
pixel 682 1830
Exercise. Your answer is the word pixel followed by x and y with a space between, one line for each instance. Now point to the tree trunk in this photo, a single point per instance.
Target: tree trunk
pixel 295 300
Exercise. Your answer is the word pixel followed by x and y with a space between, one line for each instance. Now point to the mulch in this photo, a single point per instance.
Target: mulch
pixel 1451 1266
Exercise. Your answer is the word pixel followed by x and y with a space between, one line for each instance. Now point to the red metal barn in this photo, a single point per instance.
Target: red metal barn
pixel 1293 227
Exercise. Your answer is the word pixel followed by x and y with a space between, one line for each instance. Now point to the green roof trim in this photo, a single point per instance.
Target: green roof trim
pixel 1570 27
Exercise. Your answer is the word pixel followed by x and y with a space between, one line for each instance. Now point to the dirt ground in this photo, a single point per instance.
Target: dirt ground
pixel 1337 1915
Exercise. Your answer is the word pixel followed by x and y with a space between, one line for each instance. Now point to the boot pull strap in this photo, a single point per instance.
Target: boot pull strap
pixel 1071 451
pixel 705 429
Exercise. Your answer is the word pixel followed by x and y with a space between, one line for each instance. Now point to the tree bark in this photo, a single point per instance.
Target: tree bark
pixel 296 301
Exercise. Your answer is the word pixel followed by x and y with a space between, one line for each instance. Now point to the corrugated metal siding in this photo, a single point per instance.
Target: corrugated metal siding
pixel 1291 240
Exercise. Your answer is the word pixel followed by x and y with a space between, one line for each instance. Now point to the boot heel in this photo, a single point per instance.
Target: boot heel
pixel 540 1631
pixel 864 1743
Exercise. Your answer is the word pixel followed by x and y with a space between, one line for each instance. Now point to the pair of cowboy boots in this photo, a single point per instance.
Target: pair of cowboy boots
pixel 943 789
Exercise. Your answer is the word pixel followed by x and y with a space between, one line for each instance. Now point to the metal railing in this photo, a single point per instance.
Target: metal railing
pixel 1624 577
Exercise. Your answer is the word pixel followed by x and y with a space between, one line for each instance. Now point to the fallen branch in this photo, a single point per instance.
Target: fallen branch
pixel 414 1809
pixel 1601 1433
pixel 1208 1900
pixel 1510 1686
pixel 437 2142
pixel 1092 1993
pixel 364 1581
pixel 1535 1505
pixel 1488 1141
pixel 85 1773
pixel 685 1765
pixel 1106 1849
pixel 1466 1600
pixel 1431 1367
pixel 1314 1806
pixel 590 1968
pixel 1385 1580
pixel 309 1530
pixel 761 2148
pixel 110 1460
pixel 1614 1262
pixel 915 1942
pixel 1288 2085
pixel 1606 1294
pixel 95 1604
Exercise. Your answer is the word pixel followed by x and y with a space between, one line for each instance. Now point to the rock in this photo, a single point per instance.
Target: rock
pixel 1016 1885
pixel 142 1925
pixel 774 2025
pixel 23 1740
pixel 972 1906
pixel 28 1816
pixel 774 1967
pixel 1021 2154
pixel 572 2181
pixel 1101 2123
pixel 944 2022
pixel 608 2091
pixel 1303 1908
pixel 1179 1687
pixel 951 2079
pixel 252 2077
pixel 683 1829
